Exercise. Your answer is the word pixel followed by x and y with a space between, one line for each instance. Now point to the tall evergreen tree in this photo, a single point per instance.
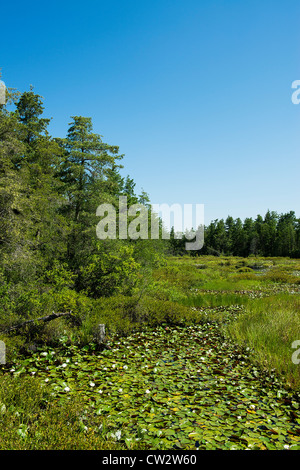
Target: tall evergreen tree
pixel 229 227
pixel 29 109
pixel 286 234
pixel 87 163
pixel 238 238
pixel 40 160
pixel 268 233
pixel 89 173
pixel 250 237
pixel 12 185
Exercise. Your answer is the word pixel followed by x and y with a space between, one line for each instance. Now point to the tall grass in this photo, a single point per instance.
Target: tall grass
pixel 185 290
pixel 215 299
pixel 269 327
pixel 31 420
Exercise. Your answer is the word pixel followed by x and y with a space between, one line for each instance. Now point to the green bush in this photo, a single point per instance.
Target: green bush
pixel 67 300
pixel 123 314
pixel 165 291
pixel 29 304
pixel 118 313
pixel 110 272
pixel 182 279
pixel 32 306
pixel 245 276
pixel 156 311
pixel 245 270
pixel 281 276
pixel 59 277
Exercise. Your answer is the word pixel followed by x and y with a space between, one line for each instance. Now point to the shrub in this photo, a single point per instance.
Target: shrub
pixel 29 304
pixel 118 313
pixel 277 275
pixel 59 276
pixel 245 270
pixel 245 276
pixel 156 311
pixel 110 272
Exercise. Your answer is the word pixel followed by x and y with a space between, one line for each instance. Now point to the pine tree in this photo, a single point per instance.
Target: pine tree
pixel 12 184
pixel 229 227
pixel 89 172
pixel 286 234
pixel 46 227
pixel 29 109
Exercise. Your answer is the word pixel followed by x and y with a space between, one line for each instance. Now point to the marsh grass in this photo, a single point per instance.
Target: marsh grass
pixel 270 321
pixel 215 299
pixel 269 326
pixel 31 420
pixel 255 301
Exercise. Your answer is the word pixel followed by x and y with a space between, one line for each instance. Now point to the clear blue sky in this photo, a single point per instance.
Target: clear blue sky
pixel 197 93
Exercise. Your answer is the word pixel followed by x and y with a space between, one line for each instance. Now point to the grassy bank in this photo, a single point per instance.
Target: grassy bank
pixel 270 327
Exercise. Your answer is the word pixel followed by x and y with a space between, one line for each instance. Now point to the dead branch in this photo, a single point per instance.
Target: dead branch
pixel 47 318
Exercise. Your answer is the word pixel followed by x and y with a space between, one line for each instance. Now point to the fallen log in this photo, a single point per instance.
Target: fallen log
pixel 47 318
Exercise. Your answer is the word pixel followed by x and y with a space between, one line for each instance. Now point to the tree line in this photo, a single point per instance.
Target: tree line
pixel 50 188
pixel 272 235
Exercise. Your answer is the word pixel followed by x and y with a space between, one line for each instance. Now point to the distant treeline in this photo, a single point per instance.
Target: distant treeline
pixel 272 235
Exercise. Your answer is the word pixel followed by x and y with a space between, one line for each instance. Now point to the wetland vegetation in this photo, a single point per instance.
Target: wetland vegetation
pixel 201 349
pixel 202 360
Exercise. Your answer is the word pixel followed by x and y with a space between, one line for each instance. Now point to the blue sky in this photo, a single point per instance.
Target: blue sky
pixel 196 93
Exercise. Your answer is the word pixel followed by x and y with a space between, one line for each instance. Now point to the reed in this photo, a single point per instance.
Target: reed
pixel 269 327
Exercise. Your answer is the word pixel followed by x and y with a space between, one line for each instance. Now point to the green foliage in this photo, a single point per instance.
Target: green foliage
pixel 29 108
pixel 59 276
pixel 29 304
pixel 110 272
pixel 118 313
pixel 34 303
pixel 157 311
pixel 269 327
pixel 273 235
pixel 30 419
pixel 7 304
pixel 86 167
pixel 277 275
pixel 50 257
pixel 159 388
pixel 123 314
pixel 163 311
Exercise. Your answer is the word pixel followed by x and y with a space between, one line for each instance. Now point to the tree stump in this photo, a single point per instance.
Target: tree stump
pixel 2 352
pixel 100 334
